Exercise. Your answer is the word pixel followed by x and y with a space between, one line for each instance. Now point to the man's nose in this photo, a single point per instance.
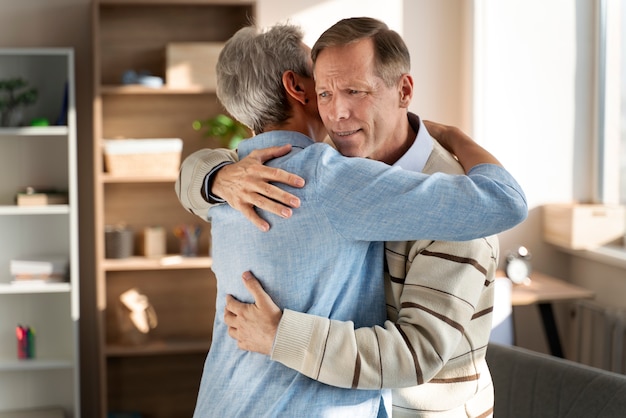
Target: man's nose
pixel 339 109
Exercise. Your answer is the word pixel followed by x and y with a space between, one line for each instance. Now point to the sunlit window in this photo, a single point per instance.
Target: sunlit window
pixel 611 102
pixel 622 142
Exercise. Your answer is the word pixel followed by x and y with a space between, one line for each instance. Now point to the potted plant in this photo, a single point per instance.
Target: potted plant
pixel 229 131
pixel 14 95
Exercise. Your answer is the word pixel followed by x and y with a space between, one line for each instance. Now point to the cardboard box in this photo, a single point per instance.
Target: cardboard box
pixel 192 64
pixel 41 198
pixel 583 226
pixel 142 157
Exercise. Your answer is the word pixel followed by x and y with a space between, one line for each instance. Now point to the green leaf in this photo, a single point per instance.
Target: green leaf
pixel 226 129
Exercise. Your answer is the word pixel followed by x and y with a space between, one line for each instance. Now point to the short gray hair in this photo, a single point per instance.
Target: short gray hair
pixel 250 70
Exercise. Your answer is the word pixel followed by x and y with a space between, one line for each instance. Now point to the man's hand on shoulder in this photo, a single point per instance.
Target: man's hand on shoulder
pixel 457 142
pixel 247 184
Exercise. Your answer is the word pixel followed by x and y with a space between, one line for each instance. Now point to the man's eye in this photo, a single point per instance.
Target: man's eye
pixel 323 94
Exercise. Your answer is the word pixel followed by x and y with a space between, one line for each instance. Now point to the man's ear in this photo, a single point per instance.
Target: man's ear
pixel 406 90
pixel 294 86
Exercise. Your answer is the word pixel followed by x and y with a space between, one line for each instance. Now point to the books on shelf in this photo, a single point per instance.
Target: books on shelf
pixel 34 197
pixel 40 269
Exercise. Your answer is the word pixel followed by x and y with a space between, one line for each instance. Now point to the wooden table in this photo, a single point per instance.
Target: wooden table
pixel 543 290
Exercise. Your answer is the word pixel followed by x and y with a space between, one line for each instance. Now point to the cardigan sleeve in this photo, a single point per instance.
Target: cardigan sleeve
pixel 191 176
pixel 439 298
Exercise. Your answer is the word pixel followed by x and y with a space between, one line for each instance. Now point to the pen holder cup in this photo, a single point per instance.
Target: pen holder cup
pixel 189 246
pixel 118 242
pixel 188 236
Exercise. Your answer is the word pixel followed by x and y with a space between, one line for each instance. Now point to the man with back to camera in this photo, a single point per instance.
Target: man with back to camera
pixel 425 210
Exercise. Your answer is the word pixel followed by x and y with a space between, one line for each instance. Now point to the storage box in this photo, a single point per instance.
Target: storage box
pixel 583 226
pixel 192 64
pixel 142 157
pixel 152 241
pixel 41 198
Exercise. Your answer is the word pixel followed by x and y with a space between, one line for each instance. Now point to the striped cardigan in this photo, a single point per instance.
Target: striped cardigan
pixel 432 348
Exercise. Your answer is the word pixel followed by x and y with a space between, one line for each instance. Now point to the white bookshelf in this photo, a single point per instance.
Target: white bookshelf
pixel 40 157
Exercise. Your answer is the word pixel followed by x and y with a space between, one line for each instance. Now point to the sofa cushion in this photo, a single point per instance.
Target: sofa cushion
pixel 529 384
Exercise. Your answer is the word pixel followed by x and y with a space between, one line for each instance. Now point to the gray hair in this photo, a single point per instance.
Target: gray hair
pixel 391 55
pixel 250 70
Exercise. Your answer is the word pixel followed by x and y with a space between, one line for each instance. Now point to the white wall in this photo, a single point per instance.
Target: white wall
pixel 533 102
pixel 433 30
pixel 317 16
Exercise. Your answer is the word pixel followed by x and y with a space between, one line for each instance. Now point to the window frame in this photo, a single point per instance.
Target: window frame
pixel 608 106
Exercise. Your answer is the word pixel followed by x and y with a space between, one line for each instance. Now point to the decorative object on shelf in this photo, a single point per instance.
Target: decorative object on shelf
pixel 518 266
pixel 62 118
pixel 143 157
pixel 25 342
pixel 188 236
pixel 136 316
pixel 39 269
pixel 39 122
pixel 144 78
pixel 229 131
pixel 581 226
pixel 192 64
pixel 14 95
pixel 152 241
pixel 118 241
pixel 33 196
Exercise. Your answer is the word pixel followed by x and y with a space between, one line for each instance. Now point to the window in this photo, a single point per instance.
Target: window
pixel 611 120
pixel 622 119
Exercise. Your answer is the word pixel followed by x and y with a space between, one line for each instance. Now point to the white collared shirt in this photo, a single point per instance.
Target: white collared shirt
pixel 416 156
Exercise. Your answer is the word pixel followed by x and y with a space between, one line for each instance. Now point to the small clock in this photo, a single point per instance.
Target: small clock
pixel 517 266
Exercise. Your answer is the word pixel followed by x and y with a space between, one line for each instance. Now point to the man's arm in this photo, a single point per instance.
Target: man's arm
pixel 243 185
pixel 192 174
pixel 246 186
pixel 434 309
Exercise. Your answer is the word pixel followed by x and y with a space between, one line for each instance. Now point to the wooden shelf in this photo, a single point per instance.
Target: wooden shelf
pixel 108 178
pixel 171 262
pixel 34 364
pixel 46 157
pixel 26 288
pixel 60 131
pixel 34 210
pixel 158 348
pixel 139 89
pixel 134 35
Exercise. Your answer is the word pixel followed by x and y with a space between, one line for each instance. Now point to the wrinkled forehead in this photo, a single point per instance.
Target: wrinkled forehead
pixel 354 60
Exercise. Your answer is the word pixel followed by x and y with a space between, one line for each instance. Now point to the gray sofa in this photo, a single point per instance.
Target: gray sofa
pixel 529 384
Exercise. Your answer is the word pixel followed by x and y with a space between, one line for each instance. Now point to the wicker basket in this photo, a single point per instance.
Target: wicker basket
pixel 142 157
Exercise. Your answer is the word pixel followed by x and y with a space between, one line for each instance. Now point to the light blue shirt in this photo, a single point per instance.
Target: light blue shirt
pixel 349 207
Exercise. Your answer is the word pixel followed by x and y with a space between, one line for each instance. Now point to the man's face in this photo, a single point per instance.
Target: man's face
pixel 359 111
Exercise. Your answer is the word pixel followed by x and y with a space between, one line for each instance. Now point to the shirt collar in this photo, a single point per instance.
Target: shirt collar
pixel 416 156
pixel 273 138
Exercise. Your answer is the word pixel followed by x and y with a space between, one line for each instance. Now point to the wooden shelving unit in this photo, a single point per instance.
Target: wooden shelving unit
pixel 159 376
pixel 40 156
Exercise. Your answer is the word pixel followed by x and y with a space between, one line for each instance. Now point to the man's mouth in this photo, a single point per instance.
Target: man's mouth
pixel 346 133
